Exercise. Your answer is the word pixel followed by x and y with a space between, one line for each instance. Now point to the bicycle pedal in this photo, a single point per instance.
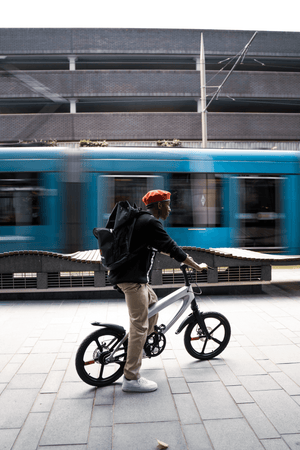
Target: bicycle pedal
pixel 159 328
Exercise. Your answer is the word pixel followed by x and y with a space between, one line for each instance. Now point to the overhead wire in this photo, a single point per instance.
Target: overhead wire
pixel 241 55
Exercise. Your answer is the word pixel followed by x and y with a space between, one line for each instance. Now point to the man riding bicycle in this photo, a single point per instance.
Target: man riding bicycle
pixel 133 279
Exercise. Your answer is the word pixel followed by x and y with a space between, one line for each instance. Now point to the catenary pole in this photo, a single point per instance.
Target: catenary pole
pixel 203 94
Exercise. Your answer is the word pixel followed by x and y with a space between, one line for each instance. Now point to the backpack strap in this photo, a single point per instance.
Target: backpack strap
pixel 111 220
pixel 137 250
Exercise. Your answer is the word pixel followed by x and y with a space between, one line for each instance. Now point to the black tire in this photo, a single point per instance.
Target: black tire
pixel 90 361
pixel 201 347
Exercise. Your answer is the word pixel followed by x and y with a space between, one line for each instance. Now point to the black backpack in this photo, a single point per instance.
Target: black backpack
pixel 114 240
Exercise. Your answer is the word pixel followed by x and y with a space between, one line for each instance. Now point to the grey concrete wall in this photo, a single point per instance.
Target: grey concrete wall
pixel 145 126
pixel 156 83
pixel 18 41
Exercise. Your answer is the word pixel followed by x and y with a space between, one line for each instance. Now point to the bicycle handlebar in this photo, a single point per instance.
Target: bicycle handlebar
pixel 183 268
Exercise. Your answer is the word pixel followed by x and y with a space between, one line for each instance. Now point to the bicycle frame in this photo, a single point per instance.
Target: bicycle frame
pixel 187 295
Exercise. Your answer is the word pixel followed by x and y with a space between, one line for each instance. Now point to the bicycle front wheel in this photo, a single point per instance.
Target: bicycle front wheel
pixel 207 347
pixel 92 362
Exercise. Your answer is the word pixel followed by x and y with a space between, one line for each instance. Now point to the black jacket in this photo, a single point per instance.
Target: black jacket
pixel 148 232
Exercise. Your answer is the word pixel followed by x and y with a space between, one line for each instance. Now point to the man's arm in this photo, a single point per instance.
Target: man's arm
pixel 191 263
pixel 167 246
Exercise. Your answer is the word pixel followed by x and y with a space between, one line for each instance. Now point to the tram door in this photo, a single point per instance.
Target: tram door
pixel 115 188
pixel 259 216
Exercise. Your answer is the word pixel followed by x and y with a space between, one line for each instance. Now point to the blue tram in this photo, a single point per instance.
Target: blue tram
pixel 52 198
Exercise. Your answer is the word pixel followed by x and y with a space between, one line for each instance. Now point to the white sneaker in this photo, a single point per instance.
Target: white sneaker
pixel 140 385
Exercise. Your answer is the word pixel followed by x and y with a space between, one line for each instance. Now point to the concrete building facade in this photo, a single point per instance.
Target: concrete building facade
pixel 144 85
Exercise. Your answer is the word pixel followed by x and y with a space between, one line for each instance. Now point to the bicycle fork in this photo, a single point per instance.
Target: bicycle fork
pixel 197 316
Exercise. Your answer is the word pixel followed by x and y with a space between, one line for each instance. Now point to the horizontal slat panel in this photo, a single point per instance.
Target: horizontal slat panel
pixel 70 279
pixel 235 274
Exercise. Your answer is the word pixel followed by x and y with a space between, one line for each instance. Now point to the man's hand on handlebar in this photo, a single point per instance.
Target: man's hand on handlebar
pixel 191 263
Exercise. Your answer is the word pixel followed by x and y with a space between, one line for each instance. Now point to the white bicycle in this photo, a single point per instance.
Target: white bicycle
pixel 101 357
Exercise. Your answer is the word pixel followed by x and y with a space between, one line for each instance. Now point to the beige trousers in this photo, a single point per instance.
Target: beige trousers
pixel 138 299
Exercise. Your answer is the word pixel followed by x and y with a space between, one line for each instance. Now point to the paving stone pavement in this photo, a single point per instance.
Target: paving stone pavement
pixel 248 398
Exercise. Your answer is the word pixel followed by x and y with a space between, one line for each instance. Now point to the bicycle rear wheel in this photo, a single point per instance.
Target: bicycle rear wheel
pixel 91 360
pixel 201 347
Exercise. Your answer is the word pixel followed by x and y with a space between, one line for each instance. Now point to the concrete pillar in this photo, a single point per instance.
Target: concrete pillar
pixel 156 277
pixel 99 278
pixel 266 273
pixel 212 275
pixel 72 62
pixel 73 102
pixel 42 280
pixel 197 63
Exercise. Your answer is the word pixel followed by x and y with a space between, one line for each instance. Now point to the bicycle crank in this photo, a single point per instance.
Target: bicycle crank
pixel 155 344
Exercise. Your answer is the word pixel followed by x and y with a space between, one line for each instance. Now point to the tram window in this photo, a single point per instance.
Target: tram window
pixel 19 199
pixel 196 200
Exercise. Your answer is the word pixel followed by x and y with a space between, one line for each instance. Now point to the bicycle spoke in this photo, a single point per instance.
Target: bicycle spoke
pixel 98 345
pixel 212 331
pixel 216 340
pixel 101 372
pixel 204 346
